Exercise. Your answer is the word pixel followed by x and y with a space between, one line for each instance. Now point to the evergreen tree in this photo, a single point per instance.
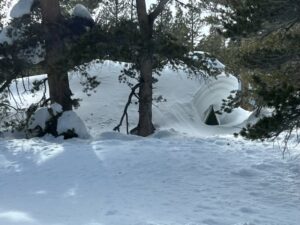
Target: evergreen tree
pixel 179 26
pixel 38 42
pixel 164 21
pixel 267 33
pixel 111 12
pixel 193 20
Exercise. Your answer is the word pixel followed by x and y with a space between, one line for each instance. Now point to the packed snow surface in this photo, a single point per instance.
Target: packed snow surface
pixel 187 173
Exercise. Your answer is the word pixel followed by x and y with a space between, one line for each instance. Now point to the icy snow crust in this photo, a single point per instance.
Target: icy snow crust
pixel 187 173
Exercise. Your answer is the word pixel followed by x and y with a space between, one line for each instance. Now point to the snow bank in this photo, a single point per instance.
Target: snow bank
pixel 187 101
pixel 21 8
pixel 188 116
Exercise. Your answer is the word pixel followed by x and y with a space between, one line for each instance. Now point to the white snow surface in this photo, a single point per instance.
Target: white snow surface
pixel 81 11
pixel 70 121
pixel 21 8
pixel 187 173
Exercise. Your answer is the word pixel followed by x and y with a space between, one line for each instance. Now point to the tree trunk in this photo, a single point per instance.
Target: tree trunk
pixel 131 11
pixel 145 126
pixel 58 80
pixel 146 21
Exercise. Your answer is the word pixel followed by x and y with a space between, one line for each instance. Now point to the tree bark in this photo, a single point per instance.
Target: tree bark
pixel 58 80
pixel 145 126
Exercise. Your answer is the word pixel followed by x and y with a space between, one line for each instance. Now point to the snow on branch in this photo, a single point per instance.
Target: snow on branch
pixel 21 8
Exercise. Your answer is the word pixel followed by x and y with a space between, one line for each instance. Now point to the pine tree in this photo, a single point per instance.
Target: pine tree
pixel 193 21
pixel 111 12
pixel 268 32
pixel 179 26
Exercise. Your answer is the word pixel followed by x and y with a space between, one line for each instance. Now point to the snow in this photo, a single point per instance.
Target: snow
pixel 70 121
pixel 39 118
pixel 81 11
pixel 4 37
pixel 21 8
pixel 187 173
pixel 56 108
pixel 33 55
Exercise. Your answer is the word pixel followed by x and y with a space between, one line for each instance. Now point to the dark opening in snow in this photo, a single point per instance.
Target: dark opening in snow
pixel 211 117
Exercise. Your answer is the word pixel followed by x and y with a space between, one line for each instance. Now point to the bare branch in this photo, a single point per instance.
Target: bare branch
pixel 125 113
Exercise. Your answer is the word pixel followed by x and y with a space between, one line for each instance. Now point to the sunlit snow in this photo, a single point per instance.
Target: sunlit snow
pixel 187 173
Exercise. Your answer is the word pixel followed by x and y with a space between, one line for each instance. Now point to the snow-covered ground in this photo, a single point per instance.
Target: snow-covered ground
pixel 187 173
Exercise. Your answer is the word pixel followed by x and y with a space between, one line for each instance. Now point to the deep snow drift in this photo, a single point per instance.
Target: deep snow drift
pixel 187 173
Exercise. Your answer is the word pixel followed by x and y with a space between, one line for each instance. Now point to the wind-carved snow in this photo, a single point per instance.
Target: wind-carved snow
pixel 81 11
pixel 21 8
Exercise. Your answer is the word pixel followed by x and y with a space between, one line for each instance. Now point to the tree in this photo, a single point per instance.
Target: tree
pixel 147 51
pixel 267 33
pixel 111 12
pixel 57 77
pixel 146 22
pixel 179 26
pixel 193 20
pixel 36 43
pixel 164 20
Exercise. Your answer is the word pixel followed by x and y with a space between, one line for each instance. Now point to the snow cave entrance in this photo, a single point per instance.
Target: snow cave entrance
pixel 211 117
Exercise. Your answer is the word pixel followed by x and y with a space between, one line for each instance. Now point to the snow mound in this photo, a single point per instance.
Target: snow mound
pixel 212 93
pixel 21 8
pixel 190 116
pixel 70 121
pixel 56 108
pixel 39 118
pixel 81 11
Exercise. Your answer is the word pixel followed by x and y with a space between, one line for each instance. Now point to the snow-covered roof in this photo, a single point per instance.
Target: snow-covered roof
pixel 81 11
pixel 21 8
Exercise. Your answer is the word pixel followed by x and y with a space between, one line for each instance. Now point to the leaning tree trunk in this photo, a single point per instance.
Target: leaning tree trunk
pixel 58 80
